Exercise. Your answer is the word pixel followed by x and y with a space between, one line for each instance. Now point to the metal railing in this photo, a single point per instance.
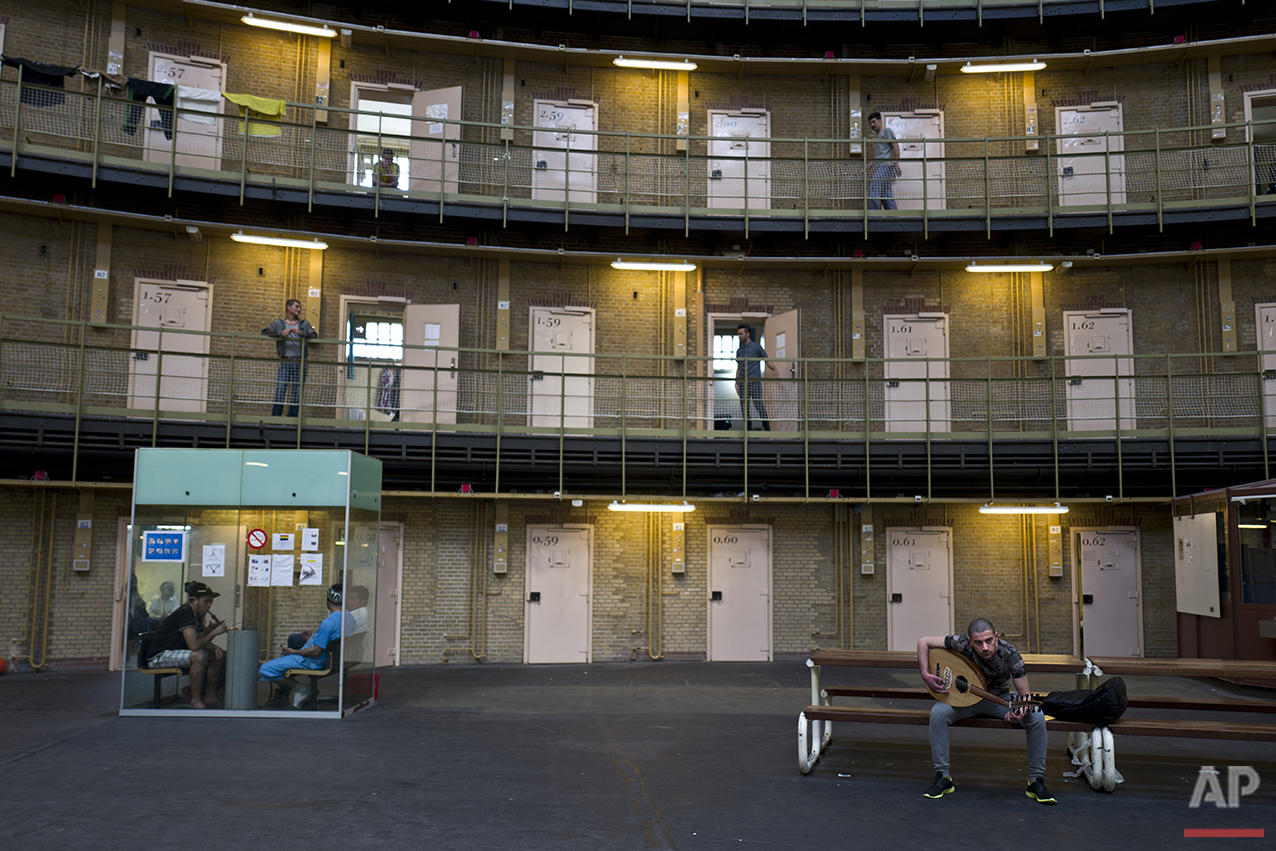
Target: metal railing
pixel 801 178
pixel 58 366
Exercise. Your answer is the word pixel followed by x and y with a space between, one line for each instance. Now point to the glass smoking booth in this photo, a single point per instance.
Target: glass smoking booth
pixel 269 531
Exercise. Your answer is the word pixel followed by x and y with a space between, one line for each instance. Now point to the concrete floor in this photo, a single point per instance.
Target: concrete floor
pixel 663 755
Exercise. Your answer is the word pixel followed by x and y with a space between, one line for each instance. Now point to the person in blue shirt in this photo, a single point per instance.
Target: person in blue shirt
pixel 313 654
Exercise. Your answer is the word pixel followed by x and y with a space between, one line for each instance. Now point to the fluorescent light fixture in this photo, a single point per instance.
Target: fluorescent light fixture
pixel 650 506
pixel 999 67
pixel 654 265
pixel 1009 267
pixel 1251 525
pixel 313 244
pixel 655 64
pixel 288 26
pixel 256 464
pixel 989 508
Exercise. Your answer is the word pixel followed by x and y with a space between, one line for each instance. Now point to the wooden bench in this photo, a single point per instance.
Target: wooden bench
pixel 1091 748
pixel 160 674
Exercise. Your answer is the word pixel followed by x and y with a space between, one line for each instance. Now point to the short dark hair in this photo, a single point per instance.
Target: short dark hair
pixel 980 625
pixel 873 115
pixel 748 329
pixel 387 152
pixel 290 302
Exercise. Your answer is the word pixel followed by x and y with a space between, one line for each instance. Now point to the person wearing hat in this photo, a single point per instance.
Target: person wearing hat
pixel 313 654
pixel 184 640
pixel 387 170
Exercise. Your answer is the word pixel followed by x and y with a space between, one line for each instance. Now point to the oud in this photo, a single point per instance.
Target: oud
pixel 965 683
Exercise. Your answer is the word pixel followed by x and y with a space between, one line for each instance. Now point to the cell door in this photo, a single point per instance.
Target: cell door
pixel 563 159
pixel 739 594
pixel 164 309
pixel 562 388
pixel 431 334
pixel 1265 322
pixel 1089 162
pixel 917 374
pixel 920 184
pixel 783 394
pixel 919 585
pixel 740 159
pixel 435 150
pixel 199 126
pixel 1093 382
pixel 389 581
pixel 558 616
pixel 1111 605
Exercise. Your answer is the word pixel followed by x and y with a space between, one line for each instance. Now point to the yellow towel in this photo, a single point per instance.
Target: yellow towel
pixel 263 114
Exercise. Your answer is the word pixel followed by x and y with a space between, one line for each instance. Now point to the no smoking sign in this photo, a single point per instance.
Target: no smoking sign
pixel 257 538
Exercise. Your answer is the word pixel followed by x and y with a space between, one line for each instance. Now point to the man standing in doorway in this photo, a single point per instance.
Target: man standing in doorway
pixel 748 375
pixel 881 194
pixel 1001 665
pixel 290 333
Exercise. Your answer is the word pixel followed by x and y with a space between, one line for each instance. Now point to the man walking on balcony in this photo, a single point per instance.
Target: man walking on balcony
pixel 290 333
pixel 881 194
pixel 748 375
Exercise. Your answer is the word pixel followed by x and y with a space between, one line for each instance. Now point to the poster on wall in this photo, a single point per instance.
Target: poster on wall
pixel 310 540
pixel 312 569
pixel 283 541
pixel 258 571
pixel 281 569
pixel 164 546
pixel 214 559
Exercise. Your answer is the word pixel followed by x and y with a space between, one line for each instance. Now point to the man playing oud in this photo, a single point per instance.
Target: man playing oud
pixel 1001 665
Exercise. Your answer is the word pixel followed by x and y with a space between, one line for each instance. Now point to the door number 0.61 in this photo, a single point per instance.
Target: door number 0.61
pixel 903 542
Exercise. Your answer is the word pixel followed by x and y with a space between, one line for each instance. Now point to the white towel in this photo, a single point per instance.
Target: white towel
pixel 199 105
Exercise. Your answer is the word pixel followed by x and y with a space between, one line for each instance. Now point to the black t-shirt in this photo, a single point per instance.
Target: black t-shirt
pixel 169 633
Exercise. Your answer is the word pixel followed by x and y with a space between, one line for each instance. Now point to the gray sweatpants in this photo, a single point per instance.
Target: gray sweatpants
pixel 942 715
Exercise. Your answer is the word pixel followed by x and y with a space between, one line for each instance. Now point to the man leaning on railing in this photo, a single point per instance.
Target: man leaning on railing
pixel 290 333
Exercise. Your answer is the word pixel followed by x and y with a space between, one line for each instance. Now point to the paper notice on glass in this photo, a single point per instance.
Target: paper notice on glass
pixel 281 569
pixel 312 569
pixel 283 541
pixel 258 571
pixel 310 540
pixel 214 559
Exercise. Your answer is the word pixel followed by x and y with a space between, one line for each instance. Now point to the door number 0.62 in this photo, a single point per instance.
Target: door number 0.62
pixel 1093 542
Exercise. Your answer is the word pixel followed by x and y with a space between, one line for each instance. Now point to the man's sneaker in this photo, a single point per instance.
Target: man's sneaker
pixel 942 786
pixel 1038 792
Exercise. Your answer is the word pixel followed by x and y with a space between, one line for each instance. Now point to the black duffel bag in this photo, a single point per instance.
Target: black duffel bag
pixel 1100 706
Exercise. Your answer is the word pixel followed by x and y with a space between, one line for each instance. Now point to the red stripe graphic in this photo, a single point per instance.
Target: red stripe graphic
pixel 1224 833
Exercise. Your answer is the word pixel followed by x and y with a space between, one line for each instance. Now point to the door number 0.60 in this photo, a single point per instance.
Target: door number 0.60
pixel 726 539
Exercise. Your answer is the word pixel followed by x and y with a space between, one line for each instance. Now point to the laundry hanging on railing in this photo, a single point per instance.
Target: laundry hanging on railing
pixel 263 114
pixel 112 84
pixel 163 95
pixel 388 392
pixel 198 105
pixel 41 74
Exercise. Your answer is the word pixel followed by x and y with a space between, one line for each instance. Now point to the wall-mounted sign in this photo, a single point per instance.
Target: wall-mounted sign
pixel 257 538
pixel 163 546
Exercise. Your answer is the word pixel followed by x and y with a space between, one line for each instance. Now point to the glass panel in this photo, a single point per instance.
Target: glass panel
pixel 362 552
pixel 1258 552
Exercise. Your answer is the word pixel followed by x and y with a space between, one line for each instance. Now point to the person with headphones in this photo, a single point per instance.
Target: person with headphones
pixel 313 654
